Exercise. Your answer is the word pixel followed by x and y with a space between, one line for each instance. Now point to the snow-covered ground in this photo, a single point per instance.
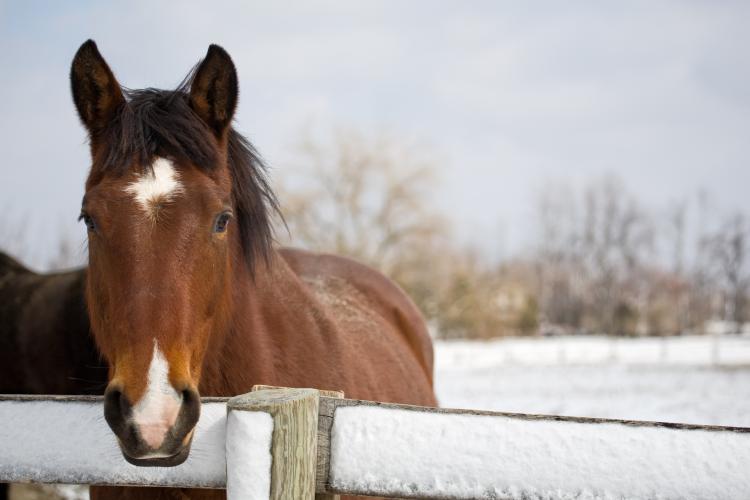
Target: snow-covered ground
pixel 688 379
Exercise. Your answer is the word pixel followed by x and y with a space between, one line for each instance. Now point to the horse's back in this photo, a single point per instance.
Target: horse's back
pixel 45 347
pixel 377 317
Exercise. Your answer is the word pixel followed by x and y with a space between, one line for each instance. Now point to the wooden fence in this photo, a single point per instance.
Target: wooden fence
pixel 299 444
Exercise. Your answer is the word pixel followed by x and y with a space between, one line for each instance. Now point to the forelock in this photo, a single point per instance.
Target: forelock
pixel 154 123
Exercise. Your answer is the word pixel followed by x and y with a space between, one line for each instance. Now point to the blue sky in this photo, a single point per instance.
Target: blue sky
pixel 512 96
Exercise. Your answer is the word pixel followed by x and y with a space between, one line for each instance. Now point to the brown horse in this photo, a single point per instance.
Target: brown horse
pixel 186 293
pixel 45 346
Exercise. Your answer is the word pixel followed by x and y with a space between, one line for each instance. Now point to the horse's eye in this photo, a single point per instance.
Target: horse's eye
pixel 88 220
pixel 222 220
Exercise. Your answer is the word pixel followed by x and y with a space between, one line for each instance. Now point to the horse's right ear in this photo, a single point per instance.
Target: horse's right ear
pixel 213 92
pixel 96 93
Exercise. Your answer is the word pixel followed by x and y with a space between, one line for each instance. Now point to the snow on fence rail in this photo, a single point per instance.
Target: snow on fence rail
pixel 293 443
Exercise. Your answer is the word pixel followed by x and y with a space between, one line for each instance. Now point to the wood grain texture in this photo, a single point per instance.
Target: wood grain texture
pixel 323 465
pixel 323 392
pixel 294 443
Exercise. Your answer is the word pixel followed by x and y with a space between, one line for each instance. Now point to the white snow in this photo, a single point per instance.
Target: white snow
pixel 389 451
pixel 703 380
pixel 70 442
pixel 641 379
pixel 249 455
pixel 699 379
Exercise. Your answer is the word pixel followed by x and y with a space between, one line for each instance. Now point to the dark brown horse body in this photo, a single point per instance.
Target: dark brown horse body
pixel 186 294
pixel 45 345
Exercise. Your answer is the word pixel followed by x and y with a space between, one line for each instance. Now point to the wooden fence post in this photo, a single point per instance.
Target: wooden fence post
pixel 324 442
pixel 294 440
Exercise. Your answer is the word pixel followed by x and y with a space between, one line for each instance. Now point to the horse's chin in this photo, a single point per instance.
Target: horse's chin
pixel 168 461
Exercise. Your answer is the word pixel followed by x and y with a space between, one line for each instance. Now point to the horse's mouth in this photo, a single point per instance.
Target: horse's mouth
pixel 168 461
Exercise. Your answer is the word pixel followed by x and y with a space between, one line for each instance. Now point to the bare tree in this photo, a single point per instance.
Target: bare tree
pixel 701 273
pixel 366 198
pixel 591 249
pixel 370 198
pixel 557 257
pixel 618 238
pixel 730 250
pixel 676 222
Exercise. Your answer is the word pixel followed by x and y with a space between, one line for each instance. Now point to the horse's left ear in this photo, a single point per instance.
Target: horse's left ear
pixel 213 92
pixel 96 93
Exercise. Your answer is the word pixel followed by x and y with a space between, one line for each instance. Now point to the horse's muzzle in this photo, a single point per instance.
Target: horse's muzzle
pixel 157 442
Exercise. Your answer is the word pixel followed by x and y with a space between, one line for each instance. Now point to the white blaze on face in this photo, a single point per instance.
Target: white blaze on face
pixel 157 186
pixel 159 406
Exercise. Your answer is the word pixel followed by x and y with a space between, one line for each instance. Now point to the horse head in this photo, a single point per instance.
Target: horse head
pixel 175 204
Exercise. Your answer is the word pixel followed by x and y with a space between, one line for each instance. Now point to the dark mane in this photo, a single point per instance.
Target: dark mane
pixel 157 122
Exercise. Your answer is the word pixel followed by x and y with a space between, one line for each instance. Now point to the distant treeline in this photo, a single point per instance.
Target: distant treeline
pixel 599 261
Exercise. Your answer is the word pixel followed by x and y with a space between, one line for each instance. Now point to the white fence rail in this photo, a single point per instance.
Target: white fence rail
pixel 366 448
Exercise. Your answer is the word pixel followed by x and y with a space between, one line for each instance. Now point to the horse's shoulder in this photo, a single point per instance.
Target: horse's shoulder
pixel 345 276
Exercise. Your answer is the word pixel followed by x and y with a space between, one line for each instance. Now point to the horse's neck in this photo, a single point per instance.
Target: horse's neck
pixel 277 330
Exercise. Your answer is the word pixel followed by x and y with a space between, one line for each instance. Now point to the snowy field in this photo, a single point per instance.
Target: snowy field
pixel 688 379
pixel 702 380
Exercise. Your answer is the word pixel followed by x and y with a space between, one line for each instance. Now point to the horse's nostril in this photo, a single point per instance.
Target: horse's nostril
pixel 112 398
pixel 191 409
pixel 116 399
pixel 116 408
pixel 188 396
pixel 124 406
